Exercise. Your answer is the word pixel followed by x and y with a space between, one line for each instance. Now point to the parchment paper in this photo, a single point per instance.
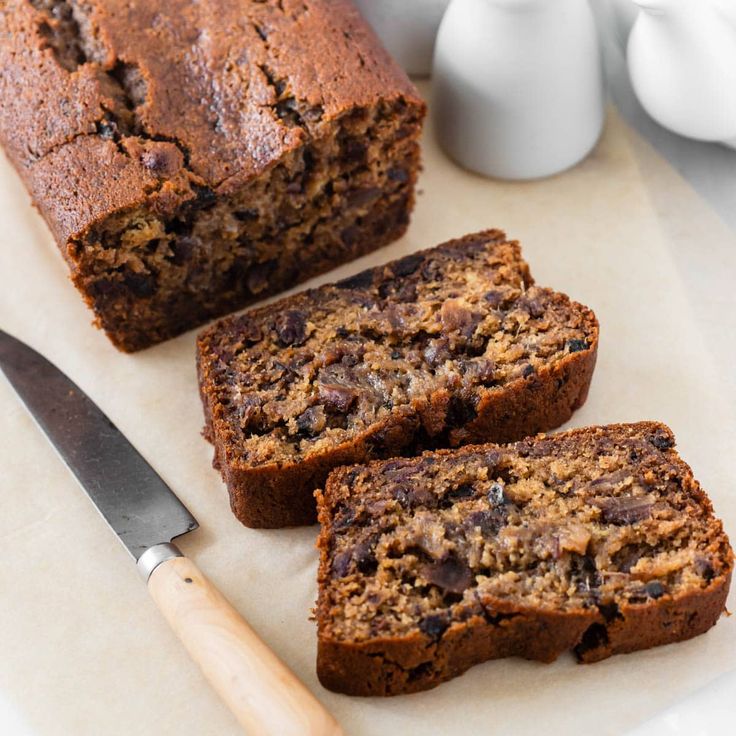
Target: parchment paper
pixel 84 651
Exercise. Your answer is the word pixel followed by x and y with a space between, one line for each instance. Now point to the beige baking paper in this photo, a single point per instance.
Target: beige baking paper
pixel 84 651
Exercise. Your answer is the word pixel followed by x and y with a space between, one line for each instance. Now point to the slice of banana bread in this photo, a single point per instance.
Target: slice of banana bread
pixel 441 348
pixel 597 540
pixel 192 157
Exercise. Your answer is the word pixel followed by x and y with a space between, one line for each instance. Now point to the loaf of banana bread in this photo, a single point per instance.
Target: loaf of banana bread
pixel 597 540
pixel 441 348
pixel 191 157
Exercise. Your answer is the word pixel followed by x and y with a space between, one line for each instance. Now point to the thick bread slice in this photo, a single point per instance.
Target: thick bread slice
pixel 441 348
pixel 597 540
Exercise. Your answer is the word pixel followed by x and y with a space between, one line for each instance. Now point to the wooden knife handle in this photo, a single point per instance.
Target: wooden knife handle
pixel 265 696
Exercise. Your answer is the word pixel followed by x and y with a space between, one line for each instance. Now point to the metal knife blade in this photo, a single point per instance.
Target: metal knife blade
pixel 139 507
pixel 263 694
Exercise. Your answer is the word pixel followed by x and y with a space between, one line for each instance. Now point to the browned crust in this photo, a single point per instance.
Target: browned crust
pixel 208 111
pixel 414 663
pixel 48 113
pixel 399 665
pixel 273 496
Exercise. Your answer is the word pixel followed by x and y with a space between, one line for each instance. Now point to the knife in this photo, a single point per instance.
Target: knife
pixel 263 694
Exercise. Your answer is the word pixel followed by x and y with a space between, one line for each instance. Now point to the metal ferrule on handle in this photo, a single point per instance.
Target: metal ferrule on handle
pixel 154 556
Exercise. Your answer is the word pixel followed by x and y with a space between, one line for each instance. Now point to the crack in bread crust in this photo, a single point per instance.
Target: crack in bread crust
pixel 192 158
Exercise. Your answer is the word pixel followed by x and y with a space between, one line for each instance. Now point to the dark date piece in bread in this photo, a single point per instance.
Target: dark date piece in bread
pixel 193 157
pixel 596 540
pixel 441 348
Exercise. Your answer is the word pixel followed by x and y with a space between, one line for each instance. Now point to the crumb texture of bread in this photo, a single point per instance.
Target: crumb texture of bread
pixel 441 348
pixel 191 158
pixel 597 540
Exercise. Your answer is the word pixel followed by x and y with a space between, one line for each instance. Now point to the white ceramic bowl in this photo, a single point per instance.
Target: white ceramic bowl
pixel 408 29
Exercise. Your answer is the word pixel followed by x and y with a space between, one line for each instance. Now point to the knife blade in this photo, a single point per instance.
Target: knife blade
pixel 146 515
pixel 139 507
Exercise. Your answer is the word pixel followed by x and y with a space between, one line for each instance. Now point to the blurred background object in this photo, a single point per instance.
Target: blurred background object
pixel 709 168
pixel 682 63
pixel 407 28
pixel 518 86
pixel 621 15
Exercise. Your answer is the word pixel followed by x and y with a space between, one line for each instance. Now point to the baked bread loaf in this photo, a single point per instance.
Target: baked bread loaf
pixel 191 157
pixel 597 540
pixel 441 348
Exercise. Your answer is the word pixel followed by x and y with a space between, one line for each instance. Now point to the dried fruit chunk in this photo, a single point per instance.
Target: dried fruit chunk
pixel 450 574
pixel 624 509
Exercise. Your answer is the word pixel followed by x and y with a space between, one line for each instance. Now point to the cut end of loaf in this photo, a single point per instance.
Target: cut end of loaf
pixel 194 158
pixel 149 276
pixel 597 540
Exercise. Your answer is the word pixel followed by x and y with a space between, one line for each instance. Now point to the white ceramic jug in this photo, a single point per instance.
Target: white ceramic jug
pixel 518 85
pixel 407 28
pixel 682 62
